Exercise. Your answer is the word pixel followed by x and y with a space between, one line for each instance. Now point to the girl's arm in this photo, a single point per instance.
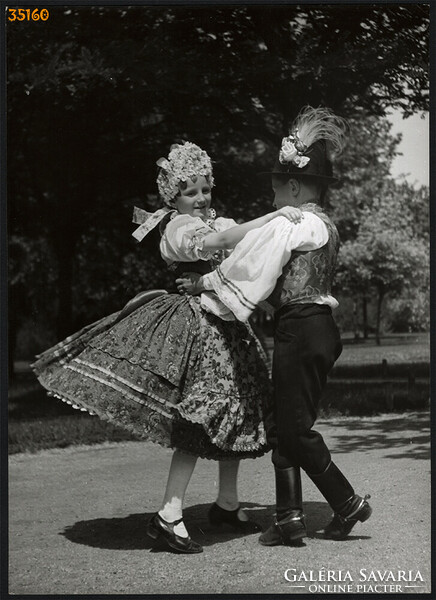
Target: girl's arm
pixel 228 239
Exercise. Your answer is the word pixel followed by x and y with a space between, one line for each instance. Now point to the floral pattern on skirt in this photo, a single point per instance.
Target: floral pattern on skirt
pixel 168 372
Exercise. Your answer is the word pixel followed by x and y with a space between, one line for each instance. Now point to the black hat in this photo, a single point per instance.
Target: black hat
pixel 319 167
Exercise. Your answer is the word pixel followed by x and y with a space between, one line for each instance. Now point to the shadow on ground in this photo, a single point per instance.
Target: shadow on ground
pixel 129 533
pixel 410 434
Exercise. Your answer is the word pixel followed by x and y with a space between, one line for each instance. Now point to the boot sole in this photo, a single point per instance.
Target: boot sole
pixel 290 540
pixel 294 542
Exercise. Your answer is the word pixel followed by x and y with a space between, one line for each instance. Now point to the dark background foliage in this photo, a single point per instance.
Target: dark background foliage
pixel 97 94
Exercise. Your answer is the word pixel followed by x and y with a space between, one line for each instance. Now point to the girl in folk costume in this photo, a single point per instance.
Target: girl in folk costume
pixel 170 370
pixel 292 266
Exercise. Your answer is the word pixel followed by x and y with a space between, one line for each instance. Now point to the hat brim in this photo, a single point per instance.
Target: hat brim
pixel 321 178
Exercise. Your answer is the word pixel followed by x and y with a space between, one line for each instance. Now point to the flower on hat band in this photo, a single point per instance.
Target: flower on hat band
pixel 184 162
pixel 292 151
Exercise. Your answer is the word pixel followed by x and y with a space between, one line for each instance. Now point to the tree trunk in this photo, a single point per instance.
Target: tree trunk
pixel 17 305
pixel 379 308
pixel 65 293
pixel 355 320
pixel 365 317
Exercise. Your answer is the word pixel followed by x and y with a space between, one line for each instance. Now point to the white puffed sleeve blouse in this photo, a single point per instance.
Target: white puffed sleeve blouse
pixel 183 238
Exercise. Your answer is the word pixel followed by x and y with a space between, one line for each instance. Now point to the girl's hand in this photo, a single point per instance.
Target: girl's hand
pixel 190 283
pixel 293 214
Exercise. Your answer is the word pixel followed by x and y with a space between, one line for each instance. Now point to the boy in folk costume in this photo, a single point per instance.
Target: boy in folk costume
pixel 292 265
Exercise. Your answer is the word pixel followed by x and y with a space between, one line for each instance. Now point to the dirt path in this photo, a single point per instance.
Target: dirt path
pixel 77 520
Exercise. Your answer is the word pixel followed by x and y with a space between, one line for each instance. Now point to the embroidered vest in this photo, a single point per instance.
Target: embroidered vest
pixel 308 274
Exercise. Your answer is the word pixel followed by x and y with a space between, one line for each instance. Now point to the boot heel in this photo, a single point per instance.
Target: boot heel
pixel 366 513
pixel 295 533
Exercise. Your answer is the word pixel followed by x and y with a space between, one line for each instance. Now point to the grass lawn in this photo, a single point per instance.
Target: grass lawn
pixel 31 435
pixel 398 351
pixel 37 421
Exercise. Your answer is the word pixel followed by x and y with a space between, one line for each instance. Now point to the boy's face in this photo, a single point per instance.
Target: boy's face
pixel 195 199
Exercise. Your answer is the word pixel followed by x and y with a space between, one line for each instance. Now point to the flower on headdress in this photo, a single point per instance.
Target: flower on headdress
pixel 301 161
pixel 184 162
pixel 288 151
pixel 292 151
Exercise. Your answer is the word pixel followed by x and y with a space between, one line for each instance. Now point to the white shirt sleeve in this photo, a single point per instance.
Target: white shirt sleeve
pixel 310 234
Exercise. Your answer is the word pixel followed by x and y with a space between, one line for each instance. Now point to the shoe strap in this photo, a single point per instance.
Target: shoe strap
pixel 173 523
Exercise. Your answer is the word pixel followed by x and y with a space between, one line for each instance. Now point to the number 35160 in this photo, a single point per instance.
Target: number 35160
pixel 27 14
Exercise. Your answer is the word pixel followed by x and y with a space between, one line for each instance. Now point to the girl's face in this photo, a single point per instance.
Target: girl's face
pixel 195 198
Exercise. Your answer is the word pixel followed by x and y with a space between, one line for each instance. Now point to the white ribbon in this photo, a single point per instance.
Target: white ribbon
pixel 147 220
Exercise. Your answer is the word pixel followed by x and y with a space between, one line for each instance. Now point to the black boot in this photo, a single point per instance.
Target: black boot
pixel 289 526
pixel 349 508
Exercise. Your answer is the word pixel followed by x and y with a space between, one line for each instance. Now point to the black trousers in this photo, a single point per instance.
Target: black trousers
pixel 306 345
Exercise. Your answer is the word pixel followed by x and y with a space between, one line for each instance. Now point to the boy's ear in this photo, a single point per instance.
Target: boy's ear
pixel 294 186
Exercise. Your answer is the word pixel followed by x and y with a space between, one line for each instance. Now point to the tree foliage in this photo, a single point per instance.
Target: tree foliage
pixel 389 255
pixel 97 94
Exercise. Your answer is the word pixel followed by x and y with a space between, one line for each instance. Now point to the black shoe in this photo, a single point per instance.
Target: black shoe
pixel 289 532
pixel 342 524
pixel 219 516
pixel 158 528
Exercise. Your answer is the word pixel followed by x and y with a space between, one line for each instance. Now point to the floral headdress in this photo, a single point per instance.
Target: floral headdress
pixel 184 162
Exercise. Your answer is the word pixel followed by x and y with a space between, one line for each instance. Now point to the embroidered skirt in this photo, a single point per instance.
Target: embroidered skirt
pixel 171 373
